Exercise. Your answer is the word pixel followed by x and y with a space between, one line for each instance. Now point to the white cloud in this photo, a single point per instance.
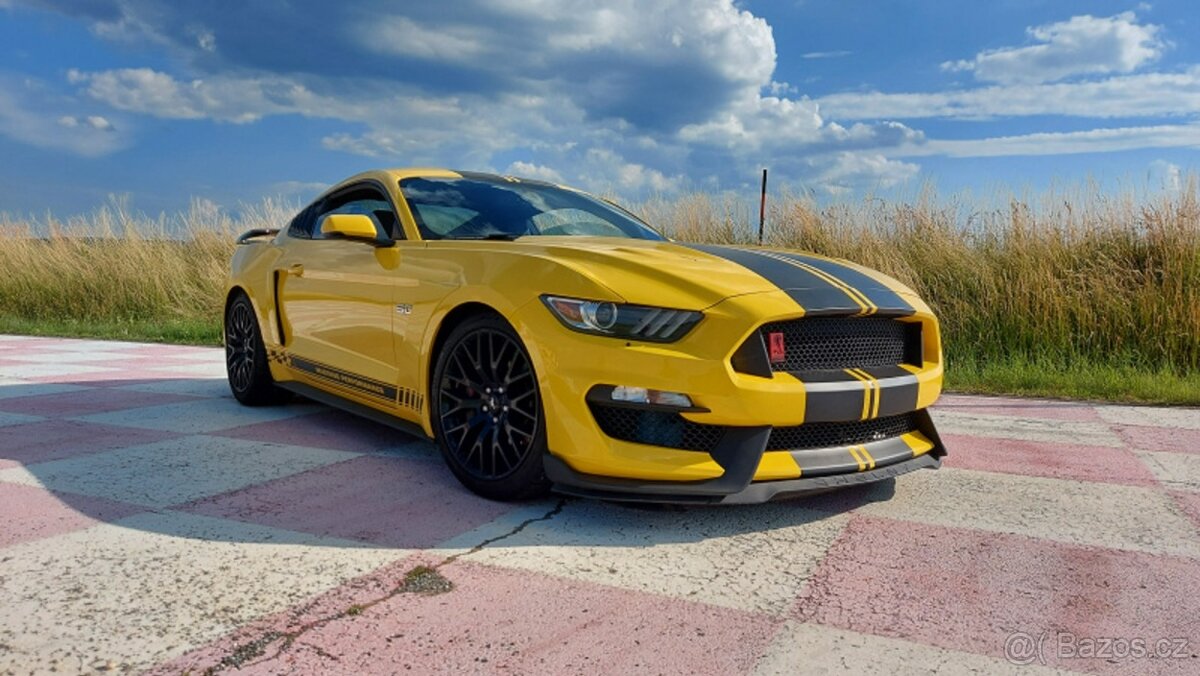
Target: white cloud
pixel 98 122
pixel 826 55
pixel 1062 143
pixel 1082 45
pixel 863 171
pixel 607 171
pixel 1143 94
pixel 401 35
pixel 535 171
pixel 142 90
pixel 93 121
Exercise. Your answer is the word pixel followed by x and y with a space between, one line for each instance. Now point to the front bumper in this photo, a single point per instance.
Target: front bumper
pixel 747 464
pixel 740 454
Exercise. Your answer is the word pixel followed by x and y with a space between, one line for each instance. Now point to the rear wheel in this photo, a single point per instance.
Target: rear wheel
pixel 246 357
pixel 487 411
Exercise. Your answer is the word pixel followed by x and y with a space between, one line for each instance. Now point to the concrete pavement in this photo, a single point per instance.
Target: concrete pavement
pixel 149 523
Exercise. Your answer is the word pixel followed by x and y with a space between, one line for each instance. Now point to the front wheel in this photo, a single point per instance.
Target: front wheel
pixel 246 357
pixel 487 411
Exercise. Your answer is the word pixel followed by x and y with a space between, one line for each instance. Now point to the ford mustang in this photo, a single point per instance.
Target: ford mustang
pixel 549 339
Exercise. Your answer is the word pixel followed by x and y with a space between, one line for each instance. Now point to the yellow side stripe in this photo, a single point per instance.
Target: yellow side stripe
pixel 866 409
pixel 867 455
pixel 871 407
pixel 861 463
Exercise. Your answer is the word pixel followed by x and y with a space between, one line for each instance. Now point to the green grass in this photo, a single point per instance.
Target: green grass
pixel 1077 379
pixel 165 330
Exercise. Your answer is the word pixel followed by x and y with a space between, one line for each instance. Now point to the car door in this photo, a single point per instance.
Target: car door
pixel 337 299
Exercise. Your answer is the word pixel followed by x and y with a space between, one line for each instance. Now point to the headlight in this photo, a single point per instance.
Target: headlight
pixel 619 320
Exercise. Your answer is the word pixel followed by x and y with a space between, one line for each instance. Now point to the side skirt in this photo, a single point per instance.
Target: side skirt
pixel 356 408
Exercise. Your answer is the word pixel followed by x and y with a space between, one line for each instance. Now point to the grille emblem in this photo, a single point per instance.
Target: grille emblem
pixel 776 347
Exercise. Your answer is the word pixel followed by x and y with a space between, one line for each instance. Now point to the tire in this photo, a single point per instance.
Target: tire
pixel 487 411
pixel 246 357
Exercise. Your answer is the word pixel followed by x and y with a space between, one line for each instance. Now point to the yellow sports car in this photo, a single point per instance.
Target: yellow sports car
pixel 546 339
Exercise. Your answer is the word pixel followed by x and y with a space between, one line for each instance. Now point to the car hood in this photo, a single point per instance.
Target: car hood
pixel 696 276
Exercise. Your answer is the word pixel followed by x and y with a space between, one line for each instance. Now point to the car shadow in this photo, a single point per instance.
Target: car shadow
pixel 181 458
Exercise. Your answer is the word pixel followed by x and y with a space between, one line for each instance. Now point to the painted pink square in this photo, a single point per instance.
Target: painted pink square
pixel 86 402
pixel 30 513
pixel 48 440
pixel 385 501
pixel 503 621
pixel 1173 439
pixel 1044 459
pixel 970 590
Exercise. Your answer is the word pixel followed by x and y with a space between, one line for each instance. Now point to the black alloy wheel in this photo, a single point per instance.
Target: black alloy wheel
pixel 488 413
pixel 246 357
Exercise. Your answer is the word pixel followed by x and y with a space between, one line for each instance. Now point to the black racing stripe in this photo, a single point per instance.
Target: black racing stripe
pixel 361 384
pixel 833 401
pixel 897 394
pixel 889 302
pixel 825 462
pixel 812 292
pixel 829 376
pixel 881 372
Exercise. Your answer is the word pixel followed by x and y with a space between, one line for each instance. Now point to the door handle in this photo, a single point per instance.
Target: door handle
pixel 296 270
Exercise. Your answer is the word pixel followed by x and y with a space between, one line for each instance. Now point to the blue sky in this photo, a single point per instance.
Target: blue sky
pixel 168 101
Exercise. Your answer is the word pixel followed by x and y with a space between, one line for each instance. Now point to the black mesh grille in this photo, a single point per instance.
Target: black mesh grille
pixel 671 430
pixel 656 428
pixel 834 434
pixel 834 343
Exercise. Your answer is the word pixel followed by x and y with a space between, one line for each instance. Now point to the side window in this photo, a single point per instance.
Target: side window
pixel 301 225
pixel 368 201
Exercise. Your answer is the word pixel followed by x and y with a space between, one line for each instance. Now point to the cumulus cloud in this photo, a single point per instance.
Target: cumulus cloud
pixel 607 171
pixel 1081 45
pixel 863 171
pixel 641 91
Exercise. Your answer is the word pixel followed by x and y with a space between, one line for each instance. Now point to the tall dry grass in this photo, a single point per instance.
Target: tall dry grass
pixel 118 265
pixel 1067 275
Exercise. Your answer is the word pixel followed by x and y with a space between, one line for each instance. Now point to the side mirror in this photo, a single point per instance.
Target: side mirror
pixel 352 226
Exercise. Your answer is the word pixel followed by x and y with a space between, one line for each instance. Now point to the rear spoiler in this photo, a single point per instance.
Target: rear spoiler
pixel 245 237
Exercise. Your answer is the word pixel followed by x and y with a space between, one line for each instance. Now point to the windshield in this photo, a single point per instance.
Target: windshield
pixel 496 208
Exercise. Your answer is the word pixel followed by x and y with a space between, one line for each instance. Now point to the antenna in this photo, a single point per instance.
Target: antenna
pixel 762 208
